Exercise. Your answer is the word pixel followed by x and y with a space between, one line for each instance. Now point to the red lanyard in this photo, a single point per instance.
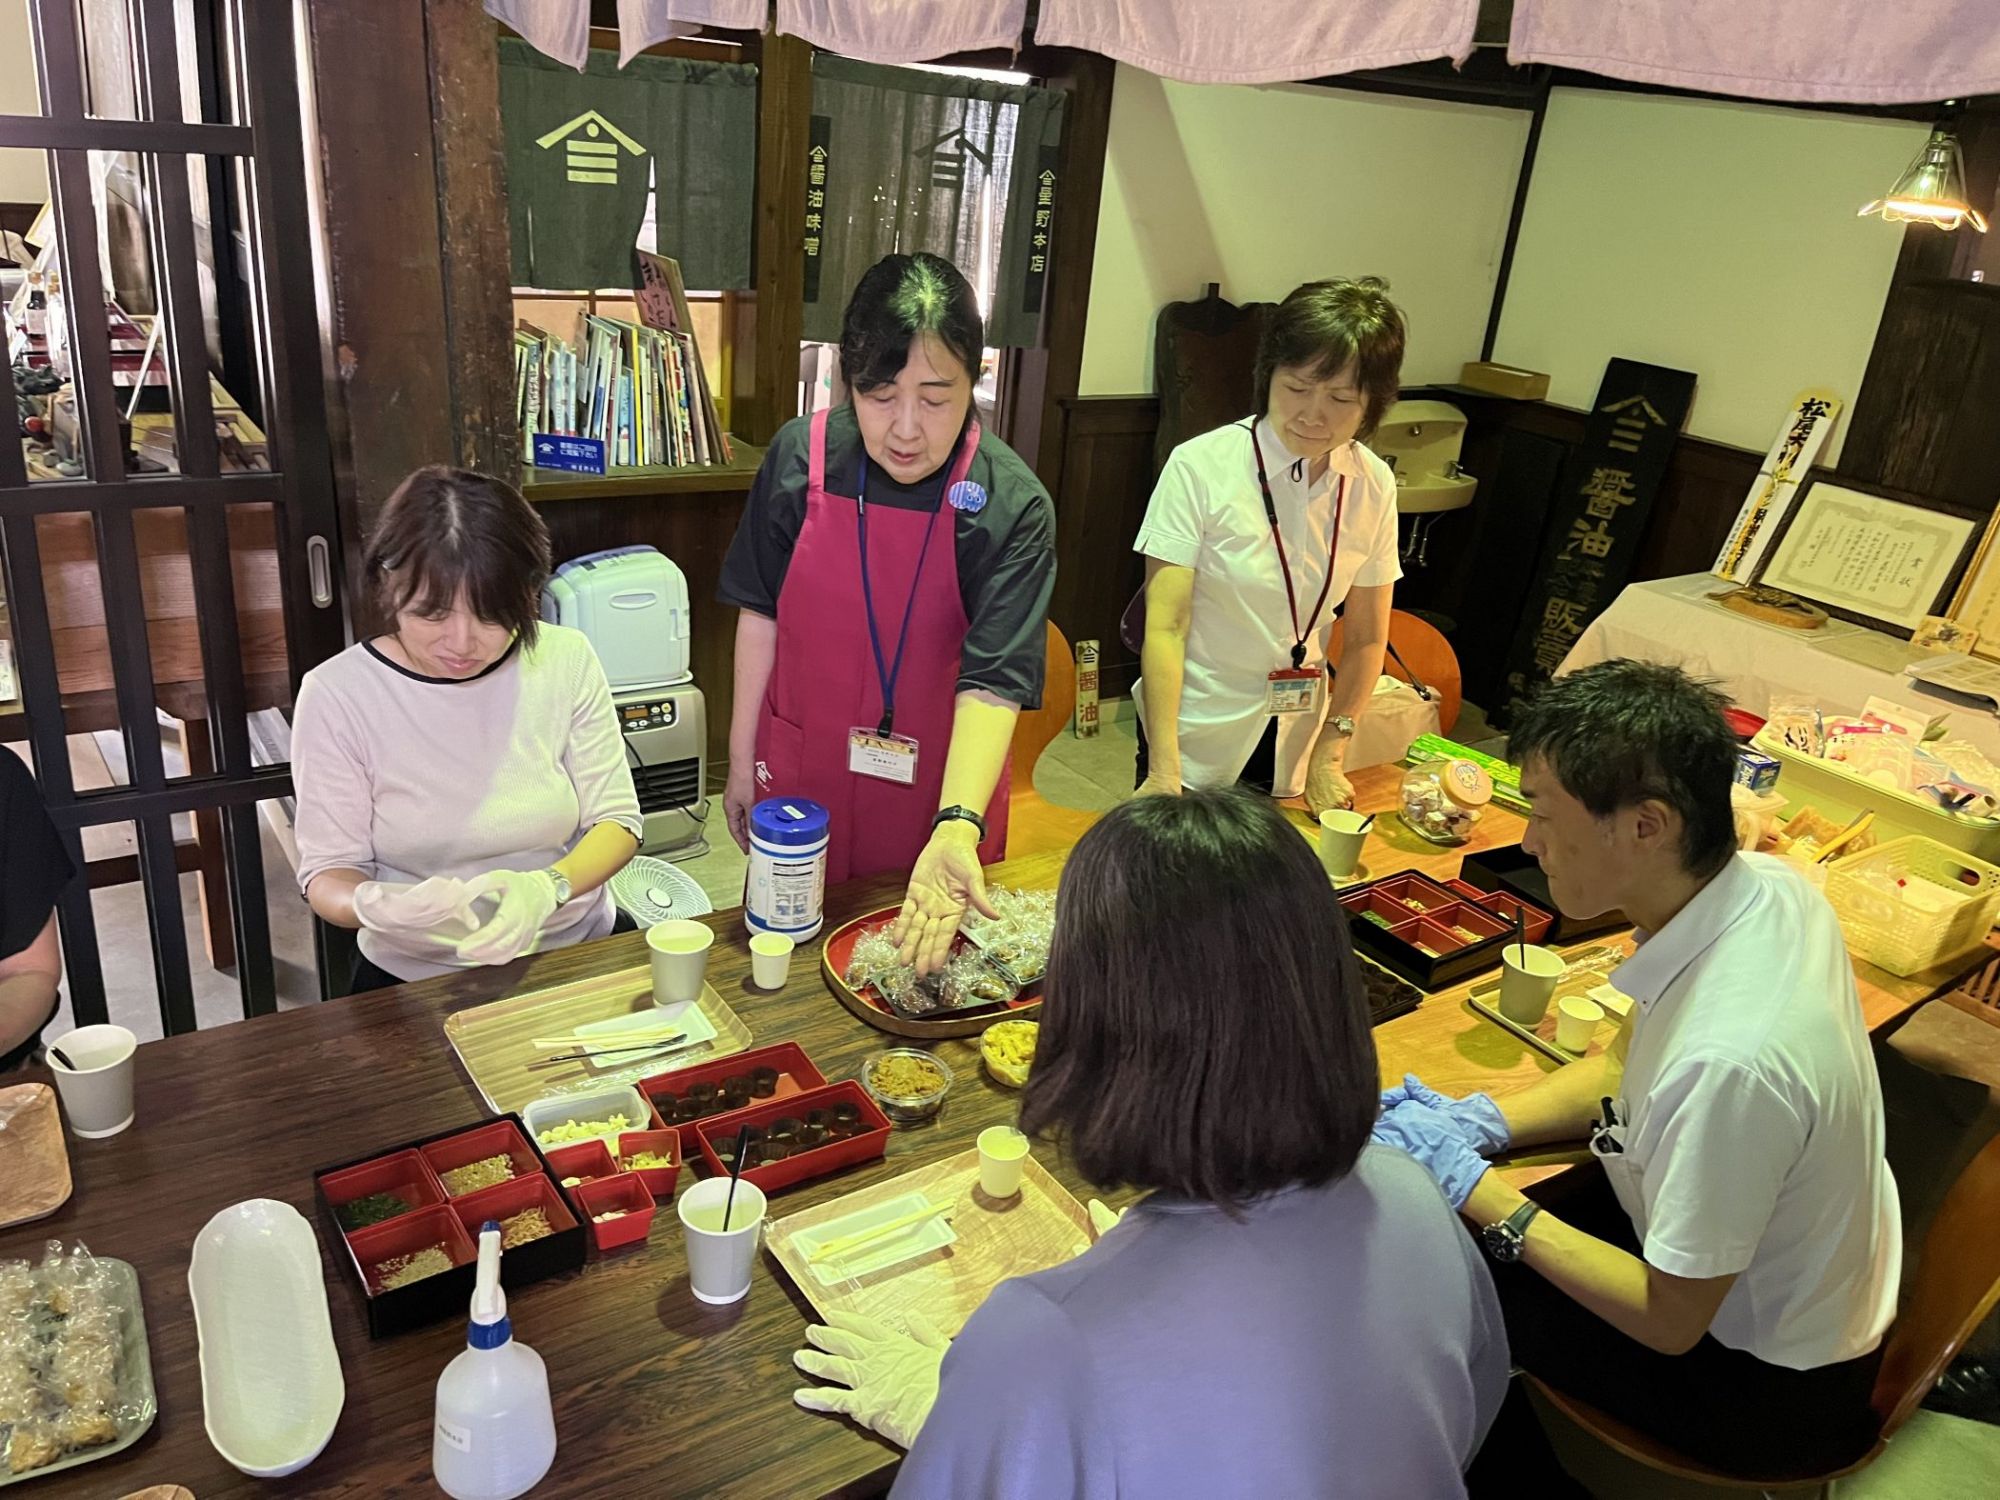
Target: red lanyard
pixel 1284 563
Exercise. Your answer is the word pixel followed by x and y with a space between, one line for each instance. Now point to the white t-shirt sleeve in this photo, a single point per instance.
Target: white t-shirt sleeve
pixel 334 822
pixel 595 754
pixel 1717 1145
pixel 1173 528
pixel 1383 561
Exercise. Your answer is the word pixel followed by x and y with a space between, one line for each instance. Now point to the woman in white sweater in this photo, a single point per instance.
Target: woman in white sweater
pixel 463 796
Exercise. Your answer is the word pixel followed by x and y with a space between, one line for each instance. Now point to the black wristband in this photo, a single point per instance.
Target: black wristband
pixel 962 814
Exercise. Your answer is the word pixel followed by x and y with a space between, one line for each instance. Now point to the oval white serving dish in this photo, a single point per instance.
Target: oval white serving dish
pixel 271 1388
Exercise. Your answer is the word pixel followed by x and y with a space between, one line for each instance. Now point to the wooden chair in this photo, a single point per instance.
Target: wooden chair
pixel 1424 652
pixel 1957 1284
pixel 1035 824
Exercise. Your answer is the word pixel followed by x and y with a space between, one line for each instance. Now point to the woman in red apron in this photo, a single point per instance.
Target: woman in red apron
pixel 892 571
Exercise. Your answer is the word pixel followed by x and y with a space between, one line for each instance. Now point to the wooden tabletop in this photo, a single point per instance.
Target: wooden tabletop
pixel 655 1394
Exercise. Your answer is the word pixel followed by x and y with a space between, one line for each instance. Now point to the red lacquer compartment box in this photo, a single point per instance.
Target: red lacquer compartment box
pixel 1422 930
pixel 721 1090
pixel 792 1140
pixel 586 1161
pixel 618 1208
pixel 1504 906
pixel 410 1242
pixel 1517 873
pixel 635 1144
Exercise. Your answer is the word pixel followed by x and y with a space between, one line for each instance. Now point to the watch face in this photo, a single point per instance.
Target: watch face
pixel 1502 1243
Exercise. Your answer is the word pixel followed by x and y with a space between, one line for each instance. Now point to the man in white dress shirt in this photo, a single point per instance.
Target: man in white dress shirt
pixel 1726 1281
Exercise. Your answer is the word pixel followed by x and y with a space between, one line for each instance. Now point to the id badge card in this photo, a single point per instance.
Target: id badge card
pixel 886 757
pixel 1293 690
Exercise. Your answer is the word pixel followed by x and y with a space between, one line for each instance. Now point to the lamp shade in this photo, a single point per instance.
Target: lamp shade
pixel 1931 189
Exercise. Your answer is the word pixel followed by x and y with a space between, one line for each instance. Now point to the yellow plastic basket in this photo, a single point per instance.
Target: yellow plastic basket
pixel 1890 932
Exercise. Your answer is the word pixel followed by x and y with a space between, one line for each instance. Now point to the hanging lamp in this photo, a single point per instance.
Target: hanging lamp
pixel 1931 189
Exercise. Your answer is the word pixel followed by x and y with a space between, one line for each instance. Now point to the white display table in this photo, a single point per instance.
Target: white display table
pixel 1839 667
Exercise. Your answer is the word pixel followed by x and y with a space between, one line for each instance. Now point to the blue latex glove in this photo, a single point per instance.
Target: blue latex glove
pixel 1435 1142
pixel 1476 1117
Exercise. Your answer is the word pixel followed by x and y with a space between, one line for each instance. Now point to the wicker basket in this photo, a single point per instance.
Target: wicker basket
pixel 1892 934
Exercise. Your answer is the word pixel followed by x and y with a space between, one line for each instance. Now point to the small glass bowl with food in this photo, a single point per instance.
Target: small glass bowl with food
pixel 908 1083
pixel 1008 1050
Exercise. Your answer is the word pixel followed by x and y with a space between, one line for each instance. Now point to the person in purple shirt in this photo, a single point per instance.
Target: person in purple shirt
pixel 1288 1310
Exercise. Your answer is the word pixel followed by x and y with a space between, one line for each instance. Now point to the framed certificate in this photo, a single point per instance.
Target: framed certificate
pixel 1976 606
pixel 1878 557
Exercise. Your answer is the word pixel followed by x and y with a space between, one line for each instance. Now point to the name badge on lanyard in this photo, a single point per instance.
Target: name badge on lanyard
pixel 1297 689
pixel 886 757
pixel 881 753
pixel 1293 690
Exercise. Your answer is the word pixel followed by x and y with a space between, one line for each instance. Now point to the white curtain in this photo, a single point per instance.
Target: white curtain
pixel 1227 41
pixel 904 31
pixel 561 28
pixel 1852 51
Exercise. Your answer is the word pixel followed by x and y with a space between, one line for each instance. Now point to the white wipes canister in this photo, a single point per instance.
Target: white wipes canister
pixel 788 837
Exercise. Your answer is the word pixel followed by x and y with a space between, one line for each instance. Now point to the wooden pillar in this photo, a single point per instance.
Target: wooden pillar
pixel 415 231
pixel 784 117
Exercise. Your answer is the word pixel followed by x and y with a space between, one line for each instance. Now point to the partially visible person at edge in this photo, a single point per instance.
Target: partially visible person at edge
pixel 463 795
pixel 36 868
pixel 1258 535
pixel 1723 1277
pixel 892 575
pixel 1288 1311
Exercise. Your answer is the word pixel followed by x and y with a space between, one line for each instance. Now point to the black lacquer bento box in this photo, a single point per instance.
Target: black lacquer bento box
pixel 1425 931
pixel 434 1218
pixel 1519 874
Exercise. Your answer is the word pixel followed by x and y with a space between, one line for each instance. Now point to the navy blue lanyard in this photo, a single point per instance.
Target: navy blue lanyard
pixel 887 674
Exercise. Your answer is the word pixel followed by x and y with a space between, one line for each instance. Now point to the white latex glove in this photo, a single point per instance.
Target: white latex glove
pixel 526 899
pixel 891 1377
pixel 1103 1220
pixel 945 880
pixel 438 909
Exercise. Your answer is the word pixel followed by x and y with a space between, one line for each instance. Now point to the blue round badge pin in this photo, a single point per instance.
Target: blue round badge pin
pixel 967 496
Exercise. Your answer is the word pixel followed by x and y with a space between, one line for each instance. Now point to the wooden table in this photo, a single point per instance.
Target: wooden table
pixel 656 1395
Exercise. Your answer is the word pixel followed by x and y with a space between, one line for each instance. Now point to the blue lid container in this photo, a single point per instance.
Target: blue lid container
pixel 788 822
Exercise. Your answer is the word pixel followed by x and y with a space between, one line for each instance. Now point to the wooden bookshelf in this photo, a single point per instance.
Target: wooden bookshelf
pixel 646 479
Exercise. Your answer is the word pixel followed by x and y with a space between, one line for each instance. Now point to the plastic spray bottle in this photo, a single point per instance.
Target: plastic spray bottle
pixel 495 1433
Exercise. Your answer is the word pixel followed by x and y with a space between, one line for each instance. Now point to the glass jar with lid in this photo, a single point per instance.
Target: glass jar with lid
pixel 1443 798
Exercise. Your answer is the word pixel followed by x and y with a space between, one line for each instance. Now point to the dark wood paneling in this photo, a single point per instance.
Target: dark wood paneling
pixel 1924 421
pixel 1106 478
pixel 392 347
pixel 784 116
pixel 472 227
pixel 694 529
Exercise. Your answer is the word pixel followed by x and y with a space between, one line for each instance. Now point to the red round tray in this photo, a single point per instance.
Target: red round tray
pixel 872 1008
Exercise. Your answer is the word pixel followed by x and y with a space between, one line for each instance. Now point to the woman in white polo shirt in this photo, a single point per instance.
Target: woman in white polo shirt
pixel 1260 533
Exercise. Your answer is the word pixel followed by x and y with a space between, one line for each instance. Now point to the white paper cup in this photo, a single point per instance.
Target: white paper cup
pixel 1576 1023
pixel 680 960
pixel 1340 841
pixel 770 960
pixel 97 1092
pixel 1528 978
pixel 719 1263
pixel 1003 1157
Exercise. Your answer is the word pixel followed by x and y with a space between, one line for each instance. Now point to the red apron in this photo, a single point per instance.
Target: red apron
pixel 824 682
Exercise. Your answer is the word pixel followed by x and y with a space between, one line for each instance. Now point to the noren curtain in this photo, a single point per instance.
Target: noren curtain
pixel 902 160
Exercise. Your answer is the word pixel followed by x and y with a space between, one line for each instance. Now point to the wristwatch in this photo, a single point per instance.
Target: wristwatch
pixel 1504 1241
pixel 962 814
pixel 1342 725
pixel 561 882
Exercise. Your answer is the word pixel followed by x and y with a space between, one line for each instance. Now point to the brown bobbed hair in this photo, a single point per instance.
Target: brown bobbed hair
pixel 1204 1026
pixel 1322 326
pixel 449 529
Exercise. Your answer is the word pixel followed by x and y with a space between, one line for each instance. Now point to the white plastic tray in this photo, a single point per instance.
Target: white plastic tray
pixel 271 1388
pixel 877 1255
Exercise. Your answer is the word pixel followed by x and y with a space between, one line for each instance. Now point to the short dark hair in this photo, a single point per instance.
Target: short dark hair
pixel 897 298
pixel 1204 1024
pixel 449 529
pixel 1322 326
pixel 1623 732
